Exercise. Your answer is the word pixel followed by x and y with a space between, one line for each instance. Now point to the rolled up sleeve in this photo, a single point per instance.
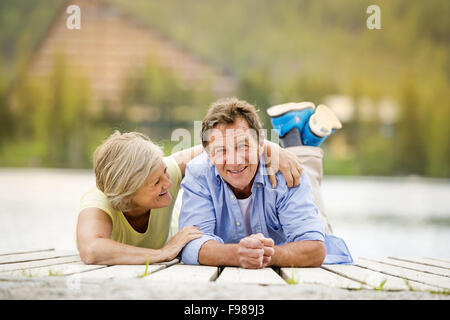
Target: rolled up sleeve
pixel 299 215
pixel 191 250
pixel 197 209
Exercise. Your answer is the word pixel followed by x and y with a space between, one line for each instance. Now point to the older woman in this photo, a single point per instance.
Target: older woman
pixel 129 217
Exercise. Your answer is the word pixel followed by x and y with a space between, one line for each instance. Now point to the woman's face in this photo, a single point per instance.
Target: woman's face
pixel 154 193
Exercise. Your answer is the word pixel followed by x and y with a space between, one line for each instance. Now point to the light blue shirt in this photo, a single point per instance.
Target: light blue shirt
pixel 283 214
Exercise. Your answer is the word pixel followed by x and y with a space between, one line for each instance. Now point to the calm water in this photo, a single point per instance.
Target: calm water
pixel 376 216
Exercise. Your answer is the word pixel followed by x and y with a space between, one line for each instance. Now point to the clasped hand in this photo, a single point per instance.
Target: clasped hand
pixel 255 251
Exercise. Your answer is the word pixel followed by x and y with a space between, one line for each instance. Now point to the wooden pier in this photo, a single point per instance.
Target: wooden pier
pixel 55 274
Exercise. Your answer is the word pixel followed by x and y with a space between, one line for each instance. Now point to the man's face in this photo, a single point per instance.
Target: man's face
pixel 234 150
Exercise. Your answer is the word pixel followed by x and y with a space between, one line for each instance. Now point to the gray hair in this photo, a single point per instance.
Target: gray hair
pixel 122 163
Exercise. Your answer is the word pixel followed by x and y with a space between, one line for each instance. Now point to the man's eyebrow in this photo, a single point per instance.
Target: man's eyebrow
pixel 216 147
pixel 243 139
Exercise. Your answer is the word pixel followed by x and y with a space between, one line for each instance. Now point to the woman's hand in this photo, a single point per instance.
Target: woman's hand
pixel 279 159
pixel 179 240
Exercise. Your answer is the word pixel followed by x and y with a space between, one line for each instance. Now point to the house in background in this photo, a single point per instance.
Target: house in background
pixel 111 46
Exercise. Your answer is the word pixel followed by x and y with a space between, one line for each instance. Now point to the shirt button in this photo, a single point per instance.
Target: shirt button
pixel 258 185
pixel 232 197
pixel 238 223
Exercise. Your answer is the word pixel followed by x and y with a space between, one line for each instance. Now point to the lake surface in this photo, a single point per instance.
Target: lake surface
pixel 377 217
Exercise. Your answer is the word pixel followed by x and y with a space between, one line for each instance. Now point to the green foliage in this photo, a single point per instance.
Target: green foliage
pixel 381 285
pixel 52 273
pixel 156 102
pixel 256 88
pixel 340 166
pixel 6 117
pixel 22 24
pixel 145 273
pixel 55 126
pixel 292 278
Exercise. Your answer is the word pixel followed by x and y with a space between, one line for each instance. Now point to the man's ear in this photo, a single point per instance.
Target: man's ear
pixel 208 153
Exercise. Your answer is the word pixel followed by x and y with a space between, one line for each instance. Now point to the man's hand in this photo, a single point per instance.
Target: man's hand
pixel 279 159
pixel 255 251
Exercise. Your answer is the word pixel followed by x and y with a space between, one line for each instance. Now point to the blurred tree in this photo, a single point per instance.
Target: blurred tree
pixel 410 137
pixel 256 88
pixel 6 118
pixel 310 87
pixel 156 101
pixel 67 120
pixel 437 132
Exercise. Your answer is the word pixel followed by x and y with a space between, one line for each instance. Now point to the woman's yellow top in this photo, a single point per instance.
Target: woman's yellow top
pixel 162 224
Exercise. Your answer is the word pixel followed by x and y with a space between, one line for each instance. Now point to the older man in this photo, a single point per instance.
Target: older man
pixel 228 196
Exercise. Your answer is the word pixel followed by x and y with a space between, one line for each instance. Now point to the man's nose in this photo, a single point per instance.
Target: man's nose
pixel 234 157
pixel 230 156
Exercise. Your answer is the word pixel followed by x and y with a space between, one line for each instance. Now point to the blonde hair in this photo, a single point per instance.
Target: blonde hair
pixel 122 163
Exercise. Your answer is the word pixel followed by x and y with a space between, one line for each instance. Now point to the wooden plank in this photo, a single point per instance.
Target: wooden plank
pixel 119 271
pixel 264 276
pixel 318 276
pixel 4 252
pixel 441 259
pixel 168 263
pixel 375 279
pixel 415 266
pixel 25 257
pixel 426 278
pixel 425 261
pixel 185 273
pixel 442 262
pixel 37 263
pixel 54 270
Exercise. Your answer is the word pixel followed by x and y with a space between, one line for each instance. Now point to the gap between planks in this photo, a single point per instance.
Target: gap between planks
pixel 439 282
pixel 319 275
pixel 414 266
pixel 124 271
pixel 6 252
pixel 37 264
pixel 34 256
pixel 425 261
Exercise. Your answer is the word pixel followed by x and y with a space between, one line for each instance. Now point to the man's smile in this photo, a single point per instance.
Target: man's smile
pixel 235 172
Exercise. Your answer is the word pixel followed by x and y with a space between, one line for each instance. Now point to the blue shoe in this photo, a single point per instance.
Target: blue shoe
pixel 285 117
pixel 320 126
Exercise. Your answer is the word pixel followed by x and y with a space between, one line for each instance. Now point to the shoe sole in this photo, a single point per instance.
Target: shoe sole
pixel 323 121
pixel 281 109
